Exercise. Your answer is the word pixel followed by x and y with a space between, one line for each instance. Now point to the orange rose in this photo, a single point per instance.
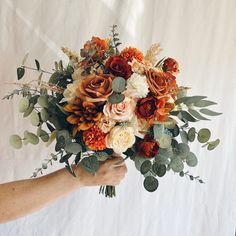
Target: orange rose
pixel 171 65
pixel 118 66
pixel 148 147
pixel 161 83
pixel 95 88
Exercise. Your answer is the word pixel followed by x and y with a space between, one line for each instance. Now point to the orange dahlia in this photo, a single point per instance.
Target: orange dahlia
pixel 94 138
pixel 131 53
pixel 84 114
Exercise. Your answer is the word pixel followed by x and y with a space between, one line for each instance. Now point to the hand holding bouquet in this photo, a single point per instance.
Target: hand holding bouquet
pixel 107 101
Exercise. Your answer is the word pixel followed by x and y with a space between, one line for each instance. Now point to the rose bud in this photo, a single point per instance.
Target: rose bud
pixel 148 148
pixel 171 65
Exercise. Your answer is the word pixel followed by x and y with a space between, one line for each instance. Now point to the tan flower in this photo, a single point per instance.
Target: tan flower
pixel 95 88
pixel 70 91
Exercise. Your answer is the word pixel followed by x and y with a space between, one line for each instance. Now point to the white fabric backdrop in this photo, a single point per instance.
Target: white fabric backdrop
pixel 201 35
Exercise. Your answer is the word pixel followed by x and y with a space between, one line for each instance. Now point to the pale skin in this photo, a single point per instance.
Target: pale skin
pixel 23 197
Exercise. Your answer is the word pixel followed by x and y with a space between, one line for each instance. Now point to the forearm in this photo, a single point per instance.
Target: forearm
pixel 25 196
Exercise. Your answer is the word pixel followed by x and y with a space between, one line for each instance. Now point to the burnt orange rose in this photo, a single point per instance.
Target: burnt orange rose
pixel 171 65
pixel 161 83
pixel 95 88
pixel 118 66
pixel 148 147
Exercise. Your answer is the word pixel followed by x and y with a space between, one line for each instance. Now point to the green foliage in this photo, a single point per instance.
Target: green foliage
pixel 44 115
pixel 191 159
pixel 90 163
pixel 212 145
pixel 23 105
pixel 15 141
pixel 138 161
pixel 176 164
pixel 34 118
pixel 203 135
pixel 31 137
pixel 209 112
pixel 118 85
pixel 150 183
pixel 37 64
pixel 20 72
pixel 159 170
pixel 158 131
pixel 116 98
pixel 43 101
pixel 74 148
pixel 191 134
pixel 145 167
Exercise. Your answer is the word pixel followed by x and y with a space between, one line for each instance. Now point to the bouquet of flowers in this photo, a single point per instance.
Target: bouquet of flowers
pixel 107 101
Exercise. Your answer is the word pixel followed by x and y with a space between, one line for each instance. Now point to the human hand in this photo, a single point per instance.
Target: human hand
pixel 110 172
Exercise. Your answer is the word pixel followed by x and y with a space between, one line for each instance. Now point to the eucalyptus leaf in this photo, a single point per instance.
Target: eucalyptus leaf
pixel 15 141
pixel 204 103
pixel 29 110
pixel 34 118
pixel 212 145
pixel 150 183
pixel 197 115
pixel 165 141
pixel 118 84
pixel 74 148
pixel 32 138
pixel 187 116
pixel 145 167
pixel 191 134
pixel 23 105
pixel 138 160
pixel 44 115
pixel 184 136
pixel 159 170
pixel 20 72
pixel 90 163
pixel 191 159
pixel 189 100
pixel 43 101
pixel 43 135
pixel 209 112
pixel 52 137
pixel 158 130
pixel 203 135
pixel 177 165
pixel 116 98
pixel 162 160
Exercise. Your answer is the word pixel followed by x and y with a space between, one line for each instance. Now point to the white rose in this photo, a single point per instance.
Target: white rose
pixel 70 91
pixel 137 86
pixel 120 138
pixel 106 124
pixel 121 111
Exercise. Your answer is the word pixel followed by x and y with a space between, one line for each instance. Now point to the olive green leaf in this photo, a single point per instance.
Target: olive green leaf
pixel 158 169
pixel 203 135
pixel 91 163
pixel 43 101
pixel 212 145
pixel 23 105
pixel 15 141
pixel 116 98
pixel 73 148
pixel 20 72
pixel 34 118
pixel 209 112
pixel 150 183
pixel 191 159
pixel 191 134
pixel 118 84
pixel 145 167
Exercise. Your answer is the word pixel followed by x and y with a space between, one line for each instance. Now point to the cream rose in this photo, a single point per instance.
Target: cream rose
pixel 137 86
pixel 70 91
pixel 121 111
pixel 140 126
pixel 77 74
pixel 120 138
pixel 106 124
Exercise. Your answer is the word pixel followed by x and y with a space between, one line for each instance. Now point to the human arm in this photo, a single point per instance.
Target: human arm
pixel 23 197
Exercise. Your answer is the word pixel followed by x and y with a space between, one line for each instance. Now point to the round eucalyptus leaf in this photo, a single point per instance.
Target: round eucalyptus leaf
pixel 191 159
pixel 116 98
pixel 44 136
pixel 165 141
pixel 203 135
pixel 34 118
pixel 44 115
pixel 29 110
pixel 177 165
pixel 191 134
pixel 23 105
pixel 158 169
pixel 183 149
pixel 167 152
pixel 162 160
pixel 15 141
pixel 43 101
pixel 145 167
pixel 184 136
pixel 118 84
pixel 91 163
pixel 31 137
pixel 73 148
pixel 150 183
pixel 175 131
pixel 212 145
pixel 138 161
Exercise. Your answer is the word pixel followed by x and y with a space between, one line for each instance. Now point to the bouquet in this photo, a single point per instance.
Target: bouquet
pixel 106 101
